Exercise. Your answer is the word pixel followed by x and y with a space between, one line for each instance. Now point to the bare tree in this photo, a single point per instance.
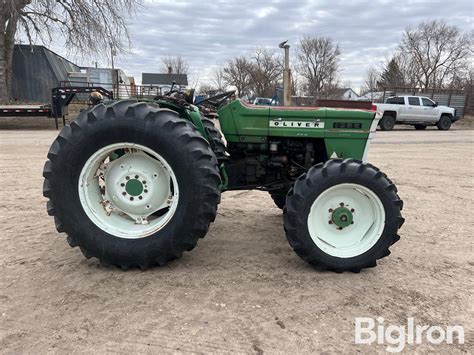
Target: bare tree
pixel 265 71
pixel 218 79
pixel 436 51
pixel 371 81
pixel 177 65
pixel 318 64
pixel 237 74
pixel 88 26
pixel 295 82
pixel 206 89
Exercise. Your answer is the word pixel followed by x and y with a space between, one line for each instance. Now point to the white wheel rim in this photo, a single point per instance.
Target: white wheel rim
pixel 131 196
pixel 367 213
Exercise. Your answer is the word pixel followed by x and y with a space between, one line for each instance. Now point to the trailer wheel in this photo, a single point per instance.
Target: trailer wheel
pixel 343 215
pixel 131 184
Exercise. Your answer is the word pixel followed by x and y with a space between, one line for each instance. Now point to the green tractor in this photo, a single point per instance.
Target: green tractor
pixel 136 183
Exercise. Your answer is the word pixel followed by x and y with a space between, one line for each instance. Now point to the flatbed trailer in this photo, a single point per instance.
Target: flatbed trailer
pixel 25 110
pixel 61 98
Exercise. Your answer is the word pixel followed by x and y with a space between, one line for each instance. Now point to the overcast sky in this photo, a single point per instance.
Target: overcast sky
pixel 208 32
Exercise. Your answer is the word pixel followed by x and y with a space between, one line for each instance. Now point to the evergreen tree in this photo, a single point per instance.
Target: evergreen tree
pixel 392 76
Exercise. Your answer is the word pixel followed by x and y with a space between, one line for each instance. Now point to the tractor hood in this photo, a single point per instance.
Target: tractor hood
pixel 345 131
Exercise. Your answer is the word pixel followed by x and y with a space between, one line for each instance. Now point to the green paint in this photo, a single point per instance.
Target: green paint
pixel 134 187
pixel 342 217
pixel 257 124
pixel 188 112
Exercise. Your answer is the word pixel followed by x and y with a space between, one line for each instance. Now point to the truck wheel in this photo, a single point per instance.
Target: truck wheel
pixel 131 184
pixel 343 215
pixel 387 123
pixel 216 141
pixel 444 123
pixel 420 127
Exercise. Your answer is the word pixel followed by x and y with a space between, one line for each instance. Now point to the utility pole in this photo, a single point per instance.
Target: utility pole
pixel 114 74
pixel 286 75
pixel 112 53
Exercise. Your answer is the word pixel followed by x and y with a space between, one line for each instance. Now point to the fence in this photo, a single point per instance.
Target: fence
pixel 122 91
pixel 312 101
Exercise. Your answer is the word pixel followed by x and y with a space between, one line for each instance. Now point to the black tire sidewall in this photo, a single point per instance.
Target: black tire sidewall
pixel 313 253
pixel 123 129
pixel 387 123
pixel 444 123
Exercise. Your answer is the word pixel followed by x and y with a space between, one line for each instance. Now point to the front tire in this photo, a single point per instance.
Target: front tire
pixel 343 215
pixel 279 198
pixel 387 123
pixel 131 184
pixel 444 123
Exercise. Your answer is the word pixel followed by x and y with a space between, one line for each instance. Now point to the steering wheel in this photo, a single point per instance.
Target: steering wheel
pixel 216 100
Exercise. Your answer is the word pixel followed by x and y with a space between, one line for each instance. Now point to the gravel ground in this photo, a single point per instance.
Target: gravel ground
pixel 242 289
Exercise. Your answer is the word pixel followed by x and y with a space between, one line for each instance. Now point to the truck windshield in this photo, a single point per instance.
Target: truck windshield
pixel 427 102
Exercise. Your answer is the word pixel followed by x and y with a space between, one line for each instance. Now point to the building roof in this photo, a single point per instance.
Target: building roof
pixel 341 91
pixel 36 70
pixel 164 79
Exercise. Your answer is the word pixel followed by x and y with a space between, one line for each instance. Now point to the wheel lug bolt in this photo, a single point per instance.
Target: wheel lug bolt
pixel 330 210
pixel 131 198
pixel 145 191
pixel 352 210
pixel 127 178
pixel 122 184
pixel 140 197
pixel 124 193
pixel 330 222
pixel 342 204
pixel 136 176
pixel 143 182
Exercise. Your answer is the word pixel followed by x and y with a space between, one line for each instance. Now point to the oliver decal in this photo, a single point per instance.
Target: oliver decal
pixel 296 124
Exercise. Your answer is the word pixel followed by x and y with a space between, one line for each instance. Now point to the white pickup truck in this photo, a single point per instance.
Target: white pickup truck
pixel 417 111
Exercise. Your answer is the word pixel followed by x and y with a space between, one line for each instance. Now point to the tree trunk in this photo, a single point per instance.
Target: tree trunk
pixel 3 65
pixel 8 24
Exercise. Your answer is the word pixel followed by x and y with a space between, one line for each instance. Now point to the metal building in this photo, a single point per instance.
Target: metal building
pixel 35 71
pixel 156 79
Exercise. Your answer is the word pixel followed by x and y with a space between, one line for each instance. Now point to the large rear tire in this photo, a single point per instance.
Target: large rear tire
pixel 215 138
pixel 343 215
pixel 131 184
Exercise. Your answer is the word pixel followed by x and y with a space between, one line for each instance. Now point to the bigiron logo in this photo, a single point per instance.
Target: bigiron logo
pixel 397 336
pixel 296 124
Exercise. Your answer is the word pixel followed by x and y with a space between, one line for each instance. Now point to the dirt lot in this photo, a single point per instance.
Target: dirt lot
pixel 242 289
